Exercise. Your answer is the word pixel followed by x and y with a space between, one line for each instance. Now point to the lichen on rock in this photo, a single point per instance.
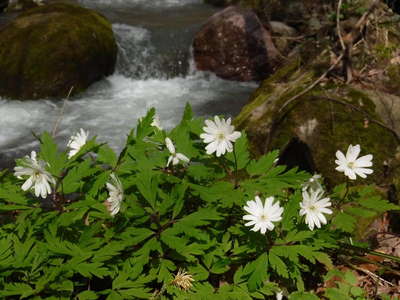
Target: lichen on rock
pixel 49 50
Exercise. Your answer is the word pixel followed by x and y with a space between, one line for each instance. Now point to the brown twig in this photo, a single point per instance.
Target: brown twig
pixel 58 121
pixel 312 85
pixel 348 42
pixel 339 33
pixel 372 275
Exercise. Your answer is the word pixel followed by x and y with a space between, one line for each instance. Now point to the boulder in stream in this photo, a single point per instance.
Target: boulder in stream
pixel 49 50
pixel 235 46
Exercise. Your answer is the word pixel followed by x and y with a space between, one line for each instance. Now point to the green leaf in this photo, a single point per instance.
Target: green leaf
pixel 344 222
pixel 298 236
pixel 144 127
pixel 260 273
pixel 49 153
pixel 107 156
pixel 134 236
pixel 262 165
pixel 303 296
pixel 221 266
pixel 178 194
pixel 98 184
pixel 241 275
pixel 377 204
pixel 324 259
pixel 90 269
pixel 109 251
pixel 360 212
pixel 240 151
pixel 187 113
pixel 13 194
pixel 14 289
pixel 164 271
pixel 10 207
pixel 147 184
pixel 87 295
pixel 278 265
pixel 72 181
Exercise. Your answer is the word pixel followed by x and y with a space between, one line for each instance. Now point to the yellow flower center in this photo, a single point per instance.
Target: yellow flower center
pixel 350 164
pixel 220 136
pixel 263 218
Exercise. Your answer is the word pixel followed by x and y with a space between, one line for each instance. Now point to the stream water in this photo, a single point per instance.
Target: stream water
pixel 154 69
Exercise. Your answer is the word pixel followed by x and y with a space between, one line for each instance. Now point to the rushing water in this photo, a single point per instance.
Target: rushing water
pixel 154 69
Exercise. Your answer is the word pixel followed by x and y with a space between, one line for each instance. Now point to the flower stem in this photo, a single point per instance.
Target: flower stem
pixel 236 167
pixel 347 190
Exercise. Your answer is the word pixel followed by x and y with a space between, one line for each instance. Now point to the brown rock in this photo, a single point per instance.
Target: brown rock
pixel 234 45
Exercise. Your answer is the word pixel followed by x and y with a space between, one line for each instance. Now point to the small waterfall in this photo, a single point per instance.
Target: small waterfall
pixel 154 69
pixel 138 58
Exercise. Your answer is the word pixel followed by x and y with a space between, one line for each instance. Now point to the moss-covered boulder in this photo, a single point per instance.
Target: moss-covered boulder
pixel 49 50
pixel 310 129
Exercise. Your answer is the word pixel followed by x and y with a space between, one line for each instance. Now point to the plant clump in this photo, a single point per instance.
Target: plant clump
pixel 136 226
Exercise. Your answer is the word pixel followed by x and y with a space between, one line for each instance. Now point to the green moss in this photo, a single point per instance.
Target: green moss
pixel 338 122
pixel 49 49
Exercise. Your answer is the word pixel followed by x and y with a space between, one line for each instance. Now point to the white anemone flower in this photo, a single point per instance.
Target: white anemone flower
pixel 262 216
pixel 156 122
pixel 314 206
pixel 313 183
pixel 39 179
pixel 175 157
pixel 279 295
pixel 116 195
pixel 219 135
pixel 351 165
pixel 77 141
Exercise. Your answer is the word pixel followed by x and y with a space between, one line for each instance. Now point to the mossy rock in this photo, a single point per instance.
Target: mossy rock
pixel 49 50
pixel 310 129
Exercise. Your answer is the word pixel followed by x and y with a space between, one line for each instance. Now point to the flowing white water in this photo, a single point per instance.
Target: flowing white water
pixel 151 71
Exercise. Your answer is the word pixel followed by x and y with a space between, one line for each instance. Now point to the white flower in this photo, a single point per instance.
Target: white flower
pixel 314 207
pixel 76 142
pixel 262 216
pixel 39 179
pixel 219 136
pixel 175 157
pixel 351 165
pixel 313 183
pixel 156 122
pixel 279 295
pixel 116 195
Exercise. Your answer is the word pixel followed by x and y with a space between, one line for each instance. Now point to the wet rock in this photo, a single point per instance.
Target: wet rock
pixel 49 50
pixel 234 45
